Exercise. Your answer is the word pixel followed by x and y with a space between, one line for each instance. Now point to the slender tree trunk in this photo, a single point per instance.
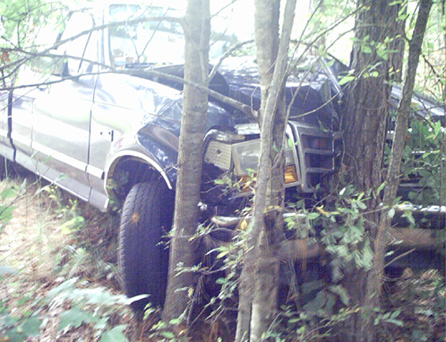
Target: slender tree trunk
pixel 443 10
pixel 182 250
pixel 397 43
pixel 267 30
pixel 260 275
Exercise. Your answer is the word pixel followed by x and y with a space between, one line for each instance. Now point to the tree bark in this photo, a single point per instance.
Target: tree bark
pixel 398 144
pixel 397 43
pixel 367 103
pixel 260 274
pixel 182 249
pixel 366 132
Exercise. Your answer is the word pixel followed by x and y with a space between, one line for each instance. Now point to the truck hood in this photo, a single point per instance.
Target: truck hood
pixel 309 93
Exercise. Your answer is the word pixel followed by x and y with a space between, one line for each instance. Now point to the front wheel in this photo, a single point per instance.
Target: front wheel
pixel 143 257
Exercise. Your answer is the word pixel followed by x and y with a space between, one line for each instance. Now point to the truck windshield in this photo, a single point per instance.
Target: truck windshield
pixel 143 42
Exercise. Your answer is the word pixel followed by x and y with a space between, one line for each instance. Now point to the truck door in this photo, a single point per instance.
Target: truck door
pixel 61 112
pixel 30 83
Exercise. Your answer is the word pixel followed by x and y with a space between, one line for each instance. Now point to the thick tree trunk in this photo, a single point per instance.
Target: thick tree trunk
pixel 366 119
pixel 399 142
pixel 366 131
pixel 365 128
pixel 182 250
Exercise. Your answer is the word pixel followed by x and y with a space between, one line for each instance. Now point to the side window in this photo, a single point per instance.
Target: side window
pixel 81 51
pixel 46 38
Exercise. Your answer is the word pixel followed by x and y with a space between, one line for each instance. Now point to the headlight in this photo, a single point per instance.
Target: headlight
pixel 246 156
pixel 243 156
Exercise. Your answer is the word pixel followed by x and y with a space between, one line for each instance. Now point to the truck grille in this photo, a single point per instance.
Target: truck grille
pixel 315 154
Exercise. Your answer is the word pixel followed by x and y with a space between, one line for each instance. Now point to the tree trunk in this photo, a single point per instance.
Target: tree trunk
pixel 260 274
pixel 182 250
pixel 397 42
pixel 399 142
pixel 365 140
pixel 365 133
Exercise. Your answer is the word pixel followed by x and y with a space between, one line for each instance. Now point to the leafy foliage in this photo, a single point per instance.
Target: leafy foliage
pixel 424 162
pixel 90 306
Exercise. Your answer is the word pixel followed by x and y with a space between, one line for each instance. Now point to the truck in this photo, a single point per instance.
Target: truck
pixel 97 111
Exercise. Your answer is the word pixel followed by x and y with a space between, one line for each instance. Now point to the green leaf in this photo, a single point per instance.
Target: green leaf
pixel 366 49
pixel 70 226
pixel 317 303
pixel 353 234
pixel 419 335
pixel 378 191
pixel 168 334
pixel 99 296
pixel 346 79
pixel 384 54
pixel 101 324
pixel 361 205
pixel 175 321
pixel 6 213
pixel 66 286
pixel 222 254
pixel 341 292
pixel 221 281
pixel 8 193
pixel 397 322
pixel 15 335
pixel 391 213
pixel 408 215
pixel 75 318
pixel 312 216
pixel 367 257
pixel 115 335
pixel 31 327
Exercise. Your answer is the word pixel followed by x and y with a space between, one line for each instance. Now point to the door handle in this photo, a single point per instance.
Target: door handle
pixel 111 134
pixel 108 134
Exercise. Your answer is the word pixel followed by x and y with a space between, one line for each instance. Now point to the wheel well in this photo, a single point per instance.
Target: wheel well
pixel 128 172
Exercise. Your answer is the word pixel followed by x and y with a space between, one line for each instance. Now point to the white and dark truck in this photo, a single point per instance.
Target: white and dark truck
pixel 99 123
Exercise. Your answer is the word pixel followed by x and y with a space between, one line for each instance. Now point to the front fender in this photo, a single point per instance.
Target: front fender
pixel 150 146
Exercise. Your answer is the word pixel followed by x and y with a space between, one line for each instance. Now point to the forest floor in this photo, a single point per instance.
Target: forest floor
pixel 52 249
pixel 59 278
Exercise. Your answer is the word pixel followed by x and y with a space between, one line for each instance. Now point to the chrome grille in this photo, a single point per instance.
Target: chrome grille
pixel 315 154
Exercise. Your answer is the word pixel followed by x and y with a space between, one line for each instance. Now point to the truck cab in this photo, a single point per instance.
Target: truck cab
pixel 97 111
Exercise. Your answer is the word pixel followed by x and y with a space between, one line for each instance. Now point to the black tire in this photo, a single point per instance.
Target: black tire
pixel 143 258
